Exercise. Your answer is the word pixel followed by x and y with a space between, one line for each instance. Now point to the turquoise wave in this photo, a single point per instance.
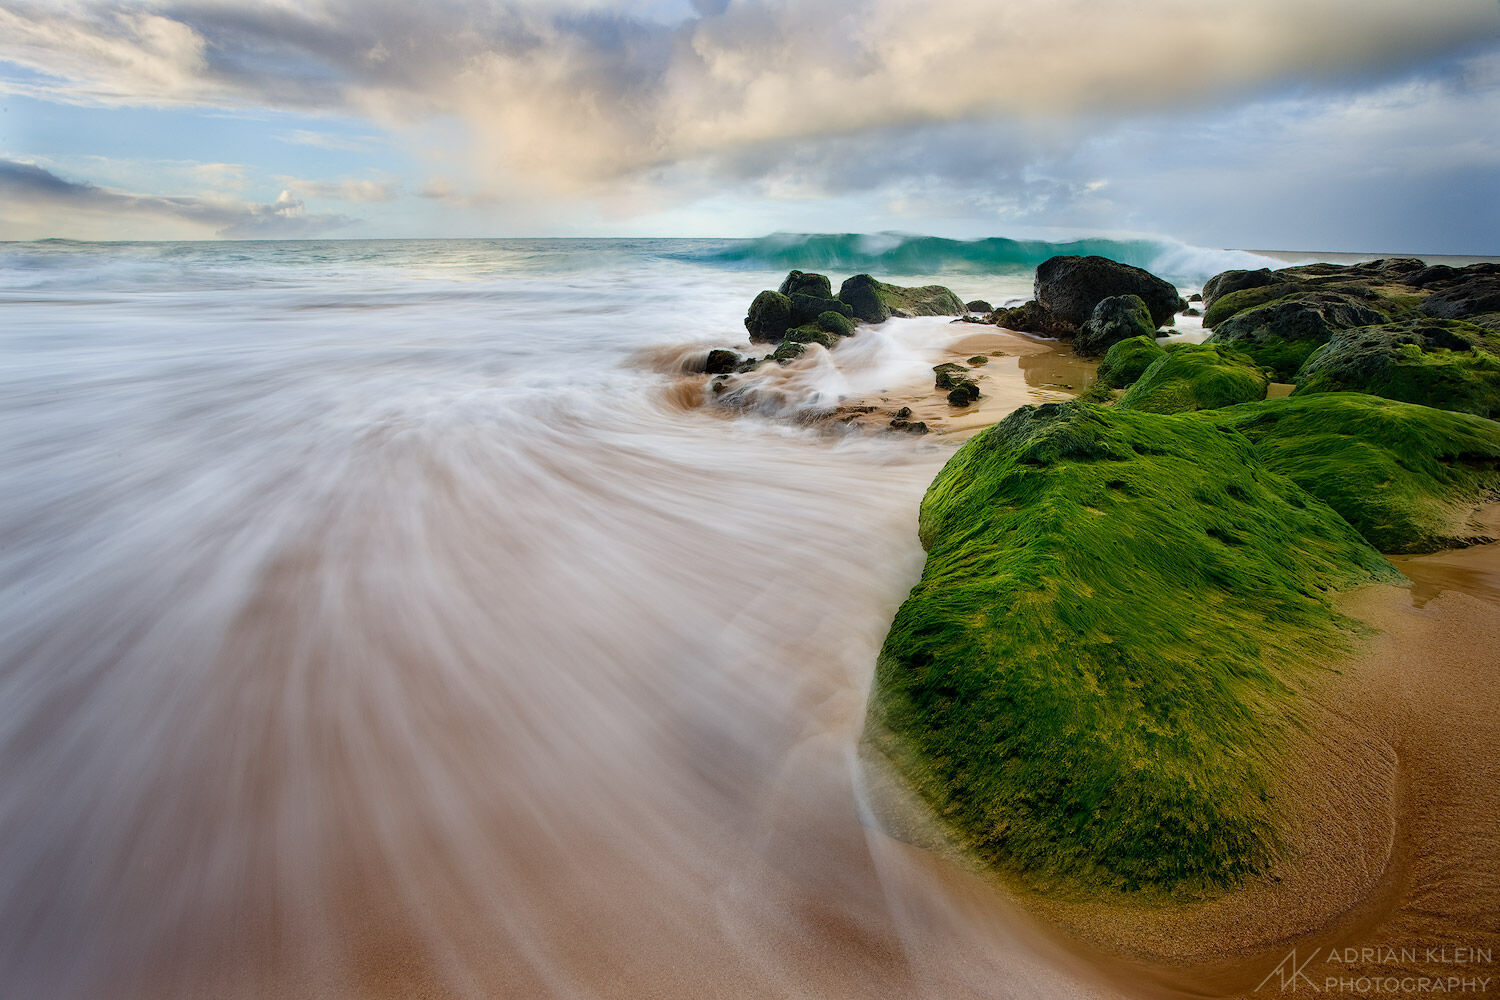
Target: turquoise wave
pixel 900 253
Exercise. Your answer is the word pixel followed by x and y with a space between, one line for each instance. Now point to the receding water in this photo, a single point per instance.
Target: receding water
pixel 372 625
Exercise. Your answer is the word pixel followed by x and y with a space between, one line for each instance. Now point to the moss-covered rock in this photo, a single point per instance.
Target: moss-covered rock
pixel 721 361
pixel 1229 282
pixel 836 323
pixel 790 350
pixel 979 306
pixel 1406 477
pixel 948 374
pixel 1125 361
pixel 1447 364
pixel 1282 334
pixel 1226 304
pixel 769 317
pixel 816 285
pixel 1070 287
pixel 1090 678
pixel 963 391
pixel 875 301
pixel 810 333
pixel 807 308
pixel 1196 377
pixel 1114 319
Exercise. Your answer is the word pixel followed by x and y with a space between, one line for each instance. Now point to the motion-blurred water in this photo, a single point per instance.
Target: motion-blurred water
pixel 372 623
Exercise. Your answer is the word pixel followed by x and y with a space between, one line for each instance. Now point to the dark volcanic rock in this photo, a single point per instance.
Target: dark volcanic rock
pixel 1070 288
pixel 1281 334
pixel 807 308
pixel 861 294
pixel 1235 281
pixel 721 362
pixel 948 375
pixel 1033 317
pixel 807 284
pixel 979 306
pixel 1116 318
pixel 964 392
pixel 770 316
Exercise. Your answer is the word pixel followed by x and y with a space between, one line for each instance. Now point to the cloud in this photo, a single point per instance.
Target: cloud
pixel 323 140
pixel 567 94
pixel 350 189
pixel 36 196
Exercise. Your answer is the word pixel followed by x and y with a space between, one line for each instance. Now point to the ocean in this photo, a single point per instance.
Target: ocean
pixel 384 618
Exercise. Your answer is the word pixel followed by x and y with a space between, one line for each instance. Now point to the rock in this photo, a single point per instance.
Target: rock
pixel 1195 297
pixel 1190 311
pixel 875 301
pixel 978 359
pixel 836 323
pixel 1281 334
pixel 1445 364
pixel 1114 319
pixel 1235 281
pixel 789 350
pixel 1070 288
pixel 816 285
pixel 1196 377
pixel 1114 611
pixel 903 413
pixel 1406 476
pixel 1033 317
pixel 1125 361
pixel 1465 296
pixel 979 306
pixel 807 308
pixel 721 362
pixel 770 316
pixel 947 375
pixel 964 392
pixel 810 333
pixel 910 426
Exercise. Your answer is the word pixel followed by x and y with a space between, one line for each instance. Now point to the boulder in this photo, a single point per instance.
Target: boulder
pixel 1281 334
pixel 1033 317
pixel 810 333
pixel 964 392
pixel 1070 288
pixel 836 323
pixel 947 375
pixel 769 317
pixel 875 301
pixel 1125 361
pixel 979 306
pixel 808 284
pixel 1235 281
pixel 1114 319
pixel 1445 364
pixel 807 308
pixel 721 362
pixel 1196 377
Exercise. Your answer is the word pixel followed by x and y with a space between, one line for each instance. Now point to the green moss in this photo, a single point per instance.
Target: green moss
pixel 1090 678
pixel 810 333
pixel 1406 477
pixel 1125 361
pixel 836 323
pixel 1226 306
pixel 1447 364
pixel 1196 377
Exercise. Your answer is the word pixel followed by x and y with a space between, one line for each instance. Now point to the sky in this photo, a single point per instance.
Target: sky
pixel 1368 126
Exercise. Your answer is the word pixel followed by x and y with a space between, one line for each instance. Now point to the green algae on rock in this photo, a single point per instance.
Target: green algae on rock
pixel 875 301
pixel 1117 318
pixel 1196 377
pixel 1125 361
pixel 1089 680
pixel 1406 477
pixel 1448 364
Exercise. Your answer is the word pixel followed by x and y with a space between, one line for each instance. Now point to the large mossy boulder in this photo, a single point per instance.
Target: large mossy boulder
pixel 808 284
pixel 1406 477
pixel 1234 281
pixel 769 318
pixel 1447 364
pixel 1117 318
pixel 1070 287
pixel 1282 333
pixel 875 301
pixel 807 308
pixel 1196 377
pixel 837 323
pixel 1090 680
pixel 1125 361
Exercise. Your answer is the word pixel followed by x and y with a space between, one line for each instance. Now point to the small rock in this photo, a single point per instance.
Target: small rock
pixel 979 359
pixel 721 361
pixel 1195 297
pixel 979 306
pixel 903 413
pixel 963 393
pixel 947 375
